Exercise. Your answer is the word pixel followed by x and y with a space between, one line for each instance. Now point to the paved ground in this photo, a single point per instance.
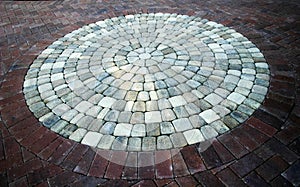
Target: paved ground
pixel 190 124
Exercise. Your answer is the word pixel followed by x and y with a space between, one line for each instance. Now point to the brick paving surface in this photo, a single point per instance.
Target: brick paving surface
pixel 262 151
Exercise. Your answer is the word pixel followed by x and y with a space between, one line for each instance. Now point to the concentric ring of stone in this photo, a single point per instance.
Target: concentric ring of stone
pixel 147 82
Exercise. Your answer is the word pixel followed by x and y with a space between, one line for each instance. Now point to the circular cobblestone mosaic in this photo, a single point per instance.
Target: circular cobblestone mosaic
pixel 147 82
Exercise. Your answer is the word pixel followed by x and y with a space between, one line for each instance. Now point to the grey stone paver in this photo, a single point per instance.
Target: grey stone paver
pixel 94 111
pixel 60 109
pixel 123 129
pixel 149 144
pixel 208 132
pixel 150 90
pixel 190 97
pixel 163 104
pixel 78 134
pixel 221 110
pixel 76 119
pixel 83 106
pixel 119 105
pixel 196 121
pixel 151 106
pixel 106 142
pixel 213 99
pixel 108 128
pixel 178 140
pixel 241 90
pixel 137 117
pixel 96 125
pixel 153 129
pixel 134 144
pixel 112 115
pixel 182 124
pixel 85 121
pixel 168 115
pixel 69 115
pixel 181 112
pixel 107 102
pixel 259 89
pixel 220 127
pixel 120 143
pixel 193 136
pixel 138 130
pixel 177 101
pixel 124 117
pixel 191 108
pixel 209 115
pixel 153 117
pixel 131 96
pixel 166 128
pixel 164 142
pixel 236 97
pixel 91 138
pixel 139 106
pixel 103 113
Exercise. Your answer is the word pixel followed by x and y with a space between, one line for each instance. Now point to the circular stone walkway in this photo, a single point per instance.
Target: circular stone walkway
pixel 262 151
pixel 147 82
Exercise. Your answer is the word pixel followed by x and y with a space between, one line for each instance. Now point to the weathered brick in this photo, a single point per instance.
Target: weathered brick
pixel 163 182
pixel 179 166
pixel 22 170
pixel 206 178
pixel 244 138
pixel 232 145
pixel 146 165
pixel 86 160
pixel 61 152
pixel 99 163
pixel 149 183
pixel 41 174
pixel 272 168
pixel 130 169
pixel 279 148
pixel 210 158
pixel 74 156
pixel 11 146
pixel 48 151
pixel 261 126
pixel 163 164
pixel 186 181
pixel 116 164
pixel 253 179
pixel 222 152
pixel 229 178
pixel 288 134
pixel 246 164
pixel 192 159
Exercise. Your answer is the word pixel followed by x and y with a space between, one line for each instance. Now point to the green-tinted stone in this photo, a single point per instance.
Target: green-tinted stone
pixel 230 122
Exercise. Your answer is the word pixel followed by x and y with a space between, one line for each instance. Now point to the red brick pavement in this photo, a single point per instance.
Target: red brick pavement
pixel 263 151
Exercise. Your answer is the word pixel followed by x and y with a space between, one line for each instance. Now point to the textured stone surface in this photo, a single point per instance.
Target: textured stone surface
pixel 165 78
pixel 92 139
pixel 182 124
pixel 123 129
pixel 178 140
pixel 193 136
pixel 31 155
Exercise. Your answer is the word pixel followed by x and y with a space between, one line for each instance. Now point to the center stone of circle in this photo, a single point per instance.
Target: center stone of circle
pixel 145 56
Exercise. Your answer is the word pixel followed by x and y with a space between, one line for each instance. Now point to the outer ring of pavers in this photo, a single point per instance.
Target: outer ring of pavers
pixel 42 77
